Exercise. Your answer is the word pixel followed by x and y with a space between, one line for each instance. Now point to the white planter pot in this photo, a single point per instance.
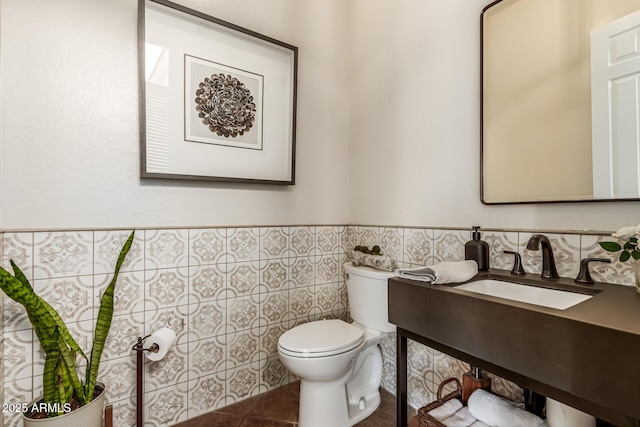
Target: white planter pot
pixel 89 415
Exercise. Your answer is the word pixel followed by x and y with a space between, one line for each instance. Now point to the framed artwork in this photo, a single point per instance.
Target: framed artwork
pixel 217 101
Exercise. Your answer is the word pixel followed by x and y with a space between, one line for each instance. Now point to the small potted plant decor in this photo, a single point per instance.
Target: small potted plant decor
pixel 66 398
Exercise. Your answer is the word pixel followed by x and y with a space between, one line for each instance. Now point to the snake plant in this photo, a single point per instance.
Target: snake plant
pixel 60 380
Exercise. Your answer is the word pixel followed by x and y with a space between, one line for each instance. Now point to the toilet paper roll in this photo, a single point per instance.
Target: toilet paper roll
pixel 561 415
pixel 164 339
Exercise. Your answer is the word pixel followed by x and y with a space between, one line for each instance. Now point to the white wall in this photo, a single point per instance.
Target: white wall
pixel 69 146
pixel 414 123
pixel 395 85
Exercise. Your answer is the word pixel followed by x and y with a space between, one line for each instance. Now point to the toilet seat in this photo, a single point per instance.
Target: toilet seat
pixel 320 339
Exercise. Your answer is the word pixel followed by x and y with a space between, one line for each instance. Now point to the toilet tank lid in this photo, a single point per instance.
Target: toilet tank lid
pixel 371 272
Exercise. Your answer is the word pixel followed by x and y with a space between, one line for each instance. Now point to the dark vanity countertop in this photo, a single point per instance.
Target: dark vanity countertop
pixel 586 356
pixel 613 306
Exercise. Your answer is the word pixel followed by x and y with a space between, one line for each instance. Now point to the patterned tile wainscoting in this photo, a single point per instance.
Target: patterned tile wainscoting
pixel 228 293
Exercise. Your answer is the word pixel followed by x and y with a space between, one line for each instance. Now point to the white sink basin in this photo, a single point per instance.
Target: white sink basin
pixel 545 297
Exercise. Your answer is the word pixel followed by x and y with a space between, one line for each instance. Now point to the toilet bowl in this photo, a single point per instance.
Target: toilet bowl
pixel 340 364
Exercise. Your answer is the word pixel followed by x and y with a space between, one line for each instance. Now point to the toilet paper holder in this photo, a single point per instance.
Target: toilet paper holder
pixel 139 347
pixel 140 350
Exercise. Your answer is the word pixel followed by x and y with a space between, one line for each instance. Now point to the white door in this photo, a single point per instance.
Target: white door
pixel 615 108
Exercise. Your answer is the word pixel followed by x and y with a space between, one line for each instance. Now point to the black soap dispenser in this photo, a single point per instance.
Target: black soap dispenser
pixel 477 250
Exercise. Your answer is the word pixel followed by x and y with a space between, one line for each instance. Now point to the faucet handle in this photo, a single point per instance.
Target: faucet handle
pixel 584 276
pixel 517 263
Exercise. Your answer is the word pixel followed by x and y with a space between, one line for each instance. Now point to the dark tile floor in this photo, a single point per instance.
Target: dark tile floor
pixel 279 408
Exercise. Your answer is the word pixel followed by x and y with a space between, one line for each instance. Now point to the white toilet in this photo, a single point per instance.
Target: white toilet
pixel 340 364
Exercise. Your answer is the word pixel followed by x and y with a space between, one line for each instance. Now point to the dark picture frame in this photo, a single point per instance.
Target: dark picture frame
pixel 217 101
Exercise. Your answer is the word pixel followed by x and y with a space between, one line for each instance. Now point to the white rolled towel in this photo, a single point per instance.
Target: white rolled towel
pixel 444 272
pixel 500 412
pixel 462 418
pixel 446 410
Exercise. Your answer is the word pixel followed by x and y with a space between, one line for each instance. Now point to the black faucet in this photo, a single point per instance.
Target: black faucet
pixel 548 263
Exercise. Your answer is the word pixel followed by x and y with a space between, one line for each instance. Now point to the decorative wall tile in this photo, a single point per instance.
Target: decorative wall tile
pixel 303 241
pixel 242 279
pixel 206 394
pixel 269 336
pixel 326 297
pixel 243 382
pixel 446 366
pixel 369 236
pixel 242 313
pixel 242 244
pixel 62 254
pixel 449 245
pixel 301 302
pixel 419 390
pixel 167 406
pixel 124 332
pixel 107 246
pixel 172 318
pixel 328 240
pixel 327 269
pixel 620 273
pixel 243 348
pixel 124 412
pixel 420 359
pixel 499 242
pixel 388 346
pixel 392 242
pixel 566 252
pixel 170 370
pixel 207 319
pixel 274 374
pixel 18 354
pixel 72 297
pixel 274 308
pixel 341 308
pixel 165 249
pixel 128 294
pixel 389 375
pixel 119 376
pixel 349 238
pixel 302 272
pixel 207 246
pixel 274 242
pixel 207 283
pixel 166 288
pixel 19 248
pixel 14 316
pixel 418 246
pixel 207 357
pixel 274 275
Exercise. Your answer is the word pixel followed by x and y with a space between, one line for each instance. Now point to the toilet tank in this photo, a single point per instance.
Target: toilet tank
pixel 368 297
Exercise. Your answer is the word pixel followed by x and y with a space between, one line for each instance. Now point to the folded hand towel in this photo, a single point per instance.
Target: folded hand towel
pixel 500 412
pixel 444 272
pixel 462 418
pixel 446 410
pixel 479 424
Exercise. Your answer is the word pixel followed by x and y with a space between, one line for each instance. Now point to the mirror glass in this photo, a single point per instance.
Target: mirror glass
pixel 560 101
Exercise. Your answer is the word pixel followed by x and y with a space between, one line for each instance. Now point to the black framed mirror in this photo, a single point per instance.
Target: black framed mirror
pixel 560 101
